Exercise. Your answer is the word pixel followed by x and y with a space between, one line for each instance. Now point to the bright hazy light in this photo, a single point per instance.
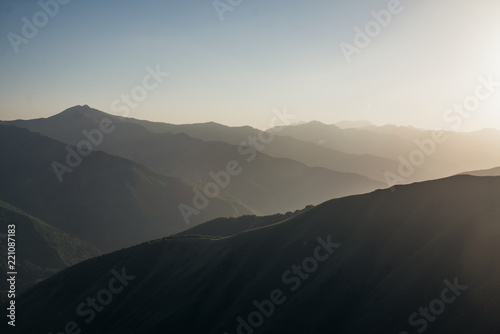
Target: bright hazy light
pixel 420 61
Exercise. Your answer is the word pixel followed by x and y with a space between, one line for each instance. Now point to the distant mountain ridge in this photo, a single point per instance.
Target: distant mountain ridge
pixel 311 154
pixel 266 185
pixel 452 154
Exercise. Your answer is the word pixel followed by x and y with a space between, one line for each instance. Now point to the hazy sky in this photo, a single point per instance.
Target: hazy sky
pixel 265 54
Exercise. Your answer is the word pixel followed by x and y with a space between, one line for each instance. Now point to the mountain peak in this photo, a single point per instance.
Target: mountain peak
pixel 78 108
pixel 80 112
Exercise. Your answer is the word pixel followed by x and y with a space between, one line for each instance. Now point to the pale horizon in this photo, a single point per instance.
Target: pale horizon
pixel 262 56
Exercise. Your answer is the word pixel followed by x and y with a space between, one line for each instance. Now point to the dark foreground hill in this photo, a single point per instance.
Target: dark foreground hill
pixel 421 259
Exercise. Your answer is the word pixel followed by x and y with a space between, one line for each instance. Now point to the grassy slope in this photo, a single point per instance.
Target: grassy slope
pixel 41 249
pixel 225 227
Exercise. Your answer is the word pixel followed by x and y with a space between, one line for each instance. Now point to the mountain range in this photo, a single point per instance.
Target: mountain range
pixel 132 226
pixel 266 184
pixel 421 258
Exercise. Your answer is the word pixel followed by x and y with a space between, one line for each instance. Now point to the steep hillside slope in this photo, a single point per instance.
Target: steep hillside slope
pixel 422 258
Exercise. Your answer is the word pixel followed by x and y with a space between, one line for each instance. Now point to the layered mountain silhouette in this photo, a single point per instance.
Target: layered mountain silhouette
pixel 104 247
pixel 441 153
pixel 360 146
pixel 423 258
pixel 265 184
pixel 288 147
pixel 107 201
